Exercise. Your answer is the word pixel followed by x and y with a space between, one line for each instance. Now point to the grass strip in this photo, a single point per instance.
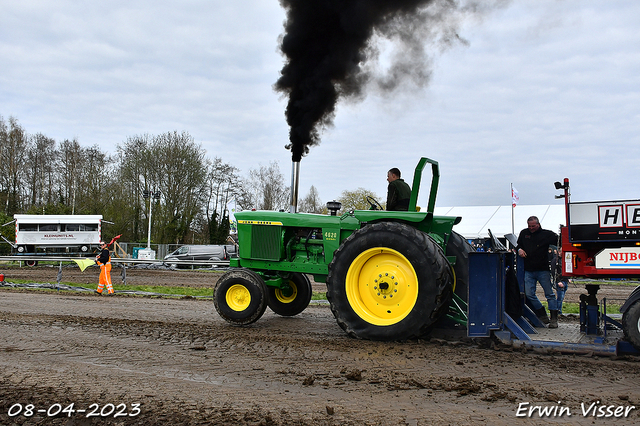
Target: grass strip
pixel 165 290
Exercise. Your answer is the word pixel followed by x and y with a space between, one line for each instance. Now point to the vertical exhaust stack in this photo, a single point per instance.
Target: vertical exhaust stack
pixel 295 181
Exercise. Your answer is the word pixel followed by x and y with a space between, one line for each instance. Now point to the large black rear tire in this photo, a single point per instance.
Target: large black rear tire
pixel 388 281
pixel 631 324
pixel 459 247
pixel 240 297
pixel 288 305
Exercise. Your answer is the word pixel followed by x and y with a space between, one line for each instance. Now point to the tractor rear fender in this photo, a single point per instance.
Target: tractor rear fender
pixel 426 222
pixel 633 297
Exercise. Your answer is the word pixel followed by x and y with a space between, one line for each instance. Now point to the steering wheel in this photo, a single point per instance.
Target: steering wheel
pixel 375 205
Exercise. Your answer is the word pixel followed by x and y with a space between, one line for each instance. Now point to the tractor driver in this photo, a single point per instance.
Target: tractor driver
pixel 398 192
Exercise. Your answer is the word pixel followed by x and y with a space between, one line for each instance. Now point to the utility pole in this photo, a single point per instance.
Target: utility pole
pixel 148 253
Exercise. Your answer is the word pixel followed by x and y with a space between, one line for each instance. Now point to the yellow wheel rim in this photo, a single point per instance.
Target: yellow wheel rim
pixel 238 297
pixel 287 299
pixel 381 286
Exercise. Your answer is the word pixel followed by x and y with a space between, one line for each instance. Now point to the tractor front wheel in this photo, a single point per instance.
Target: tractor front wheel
pixel 388 281
pixel 291 301
pixel 631 324
pixel 240 297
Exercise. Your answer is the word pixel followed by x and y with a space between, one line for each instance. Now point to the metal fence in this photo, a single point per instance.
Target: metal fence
pixel 121 250
pixel 161 249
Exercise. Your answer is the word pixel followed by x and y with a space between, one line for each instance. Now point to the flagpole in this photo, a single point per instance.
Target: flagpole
pixel 512 214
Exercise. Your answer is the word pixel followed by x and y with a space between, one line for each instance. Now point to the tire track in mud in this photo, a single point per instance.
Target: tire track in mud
pixel 398 376
pixel 177 358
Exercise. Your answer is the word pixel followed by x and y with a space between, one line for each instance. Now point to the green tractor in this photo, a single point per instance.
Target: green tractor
pixel 390 275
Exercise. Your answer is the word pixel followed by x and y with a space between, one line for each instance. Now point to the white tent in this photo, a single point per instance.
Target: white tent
pixel 477 220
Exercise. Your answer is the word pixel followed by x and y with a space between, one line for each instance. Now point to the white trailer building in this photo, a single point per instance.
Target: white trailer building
pixel 80 232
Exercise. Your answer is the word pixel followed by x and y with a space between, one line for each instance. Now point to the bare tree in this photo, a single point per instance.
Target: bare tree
pixel 134 176
pixel 223 185
pixel 95 181
pixel 4 152
pixel 13 154
pixel 265 189
pixel 356 200
pixel 312 203
pixel 70 158
pixel 173 165
pixel 40 173
pixel 181 172
pixel 39 177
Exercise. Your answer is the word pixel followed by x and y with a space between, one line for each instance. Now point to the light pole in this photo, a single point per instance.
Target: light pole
pixel 151 195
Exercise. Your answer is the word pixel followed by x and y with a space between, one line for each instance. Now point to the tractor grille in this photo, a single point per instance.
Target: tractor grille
pixel 266 242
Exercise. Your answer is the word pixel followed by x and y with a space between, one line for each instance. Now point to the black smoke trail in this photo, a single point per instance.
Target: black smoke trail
pixel 331 53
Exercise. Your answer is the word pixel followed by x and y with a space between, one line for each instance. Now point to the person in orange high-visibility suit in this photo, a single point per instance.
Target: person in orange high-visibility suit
pixel 104 261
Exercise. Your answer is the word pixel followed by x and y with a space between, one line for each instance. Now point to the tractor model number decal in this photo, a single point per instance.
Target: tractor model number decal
pixel 259 222
pixel 331 236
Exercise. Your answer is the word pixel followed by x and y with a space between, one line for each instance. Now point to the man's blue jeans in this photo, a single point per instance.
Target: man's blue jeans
pixel 544 278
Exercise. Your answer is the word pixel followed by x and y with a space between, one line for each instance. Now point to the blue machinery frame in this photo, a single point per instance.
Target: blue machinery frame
pixel 487 315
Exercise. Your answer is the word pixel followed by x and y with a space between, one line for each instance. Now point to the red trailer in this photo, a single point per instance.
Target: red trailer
pixel 602 240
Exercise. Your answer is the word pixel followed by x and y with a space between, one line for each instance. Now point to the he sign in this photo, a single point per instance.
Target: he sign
pixel 605 221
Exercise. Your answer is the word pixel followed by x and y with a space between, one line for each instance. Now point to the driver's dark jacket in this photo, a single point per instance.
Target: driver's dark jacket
pixel 398 195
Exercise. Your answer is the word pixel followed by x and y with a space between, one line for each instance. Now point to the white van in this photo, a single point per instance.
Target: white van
pixel 82 232
pixel 214 253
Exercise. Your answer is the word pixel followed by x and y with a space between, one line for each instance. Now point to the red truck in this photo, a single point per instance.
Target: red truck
pixel 602 240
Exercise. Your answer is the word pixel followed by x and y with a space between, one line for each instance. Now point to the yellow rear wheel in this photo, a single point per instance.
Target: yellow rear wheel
pixel 288 296
pixel 292 300
pixel 388 281
pixel 381 286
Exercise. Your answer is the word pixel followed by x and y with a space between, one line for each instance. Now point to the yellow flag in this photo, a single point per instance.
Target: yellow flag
pixel 83 263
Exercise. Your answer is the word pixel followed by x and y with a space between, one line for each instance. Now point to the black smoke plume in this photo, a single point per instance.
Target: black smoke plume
pixel 331 53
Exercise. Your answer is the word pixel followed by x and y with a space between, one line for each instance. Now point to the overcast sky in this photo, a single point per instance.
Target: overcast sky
pixel 540 90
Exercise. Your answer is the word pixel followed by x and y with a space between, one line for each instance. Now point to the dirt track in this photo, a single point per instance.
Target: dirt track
pixel 184 365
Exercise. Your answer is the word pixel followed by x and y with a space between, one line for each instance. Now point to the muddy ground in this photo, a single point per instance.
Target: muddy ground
pixel 184 365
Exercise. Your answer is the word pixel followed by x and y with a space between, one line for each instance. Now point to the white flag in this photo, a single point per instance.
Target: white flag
pixel 514 196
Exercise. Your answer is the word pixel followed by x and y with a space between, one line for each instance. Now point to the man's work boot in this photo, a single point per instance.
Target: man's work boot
pixel 554 319
pixel 542 315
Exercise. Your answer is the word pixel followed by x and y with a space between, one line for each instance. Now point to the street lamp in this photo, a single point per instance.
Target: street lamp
pixel 152 195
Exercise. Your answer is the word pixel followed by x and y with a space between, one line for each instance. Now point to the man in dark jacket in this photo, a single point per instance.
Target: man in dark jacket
pixel 398 192
pixel 533 246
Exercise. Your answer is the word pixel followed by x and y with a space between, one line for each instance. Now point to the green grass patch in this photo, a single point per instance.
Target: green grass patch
pixel 574 308
pixel 177 291
pixel 622 282
pixel 168 290
pixel 319 295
